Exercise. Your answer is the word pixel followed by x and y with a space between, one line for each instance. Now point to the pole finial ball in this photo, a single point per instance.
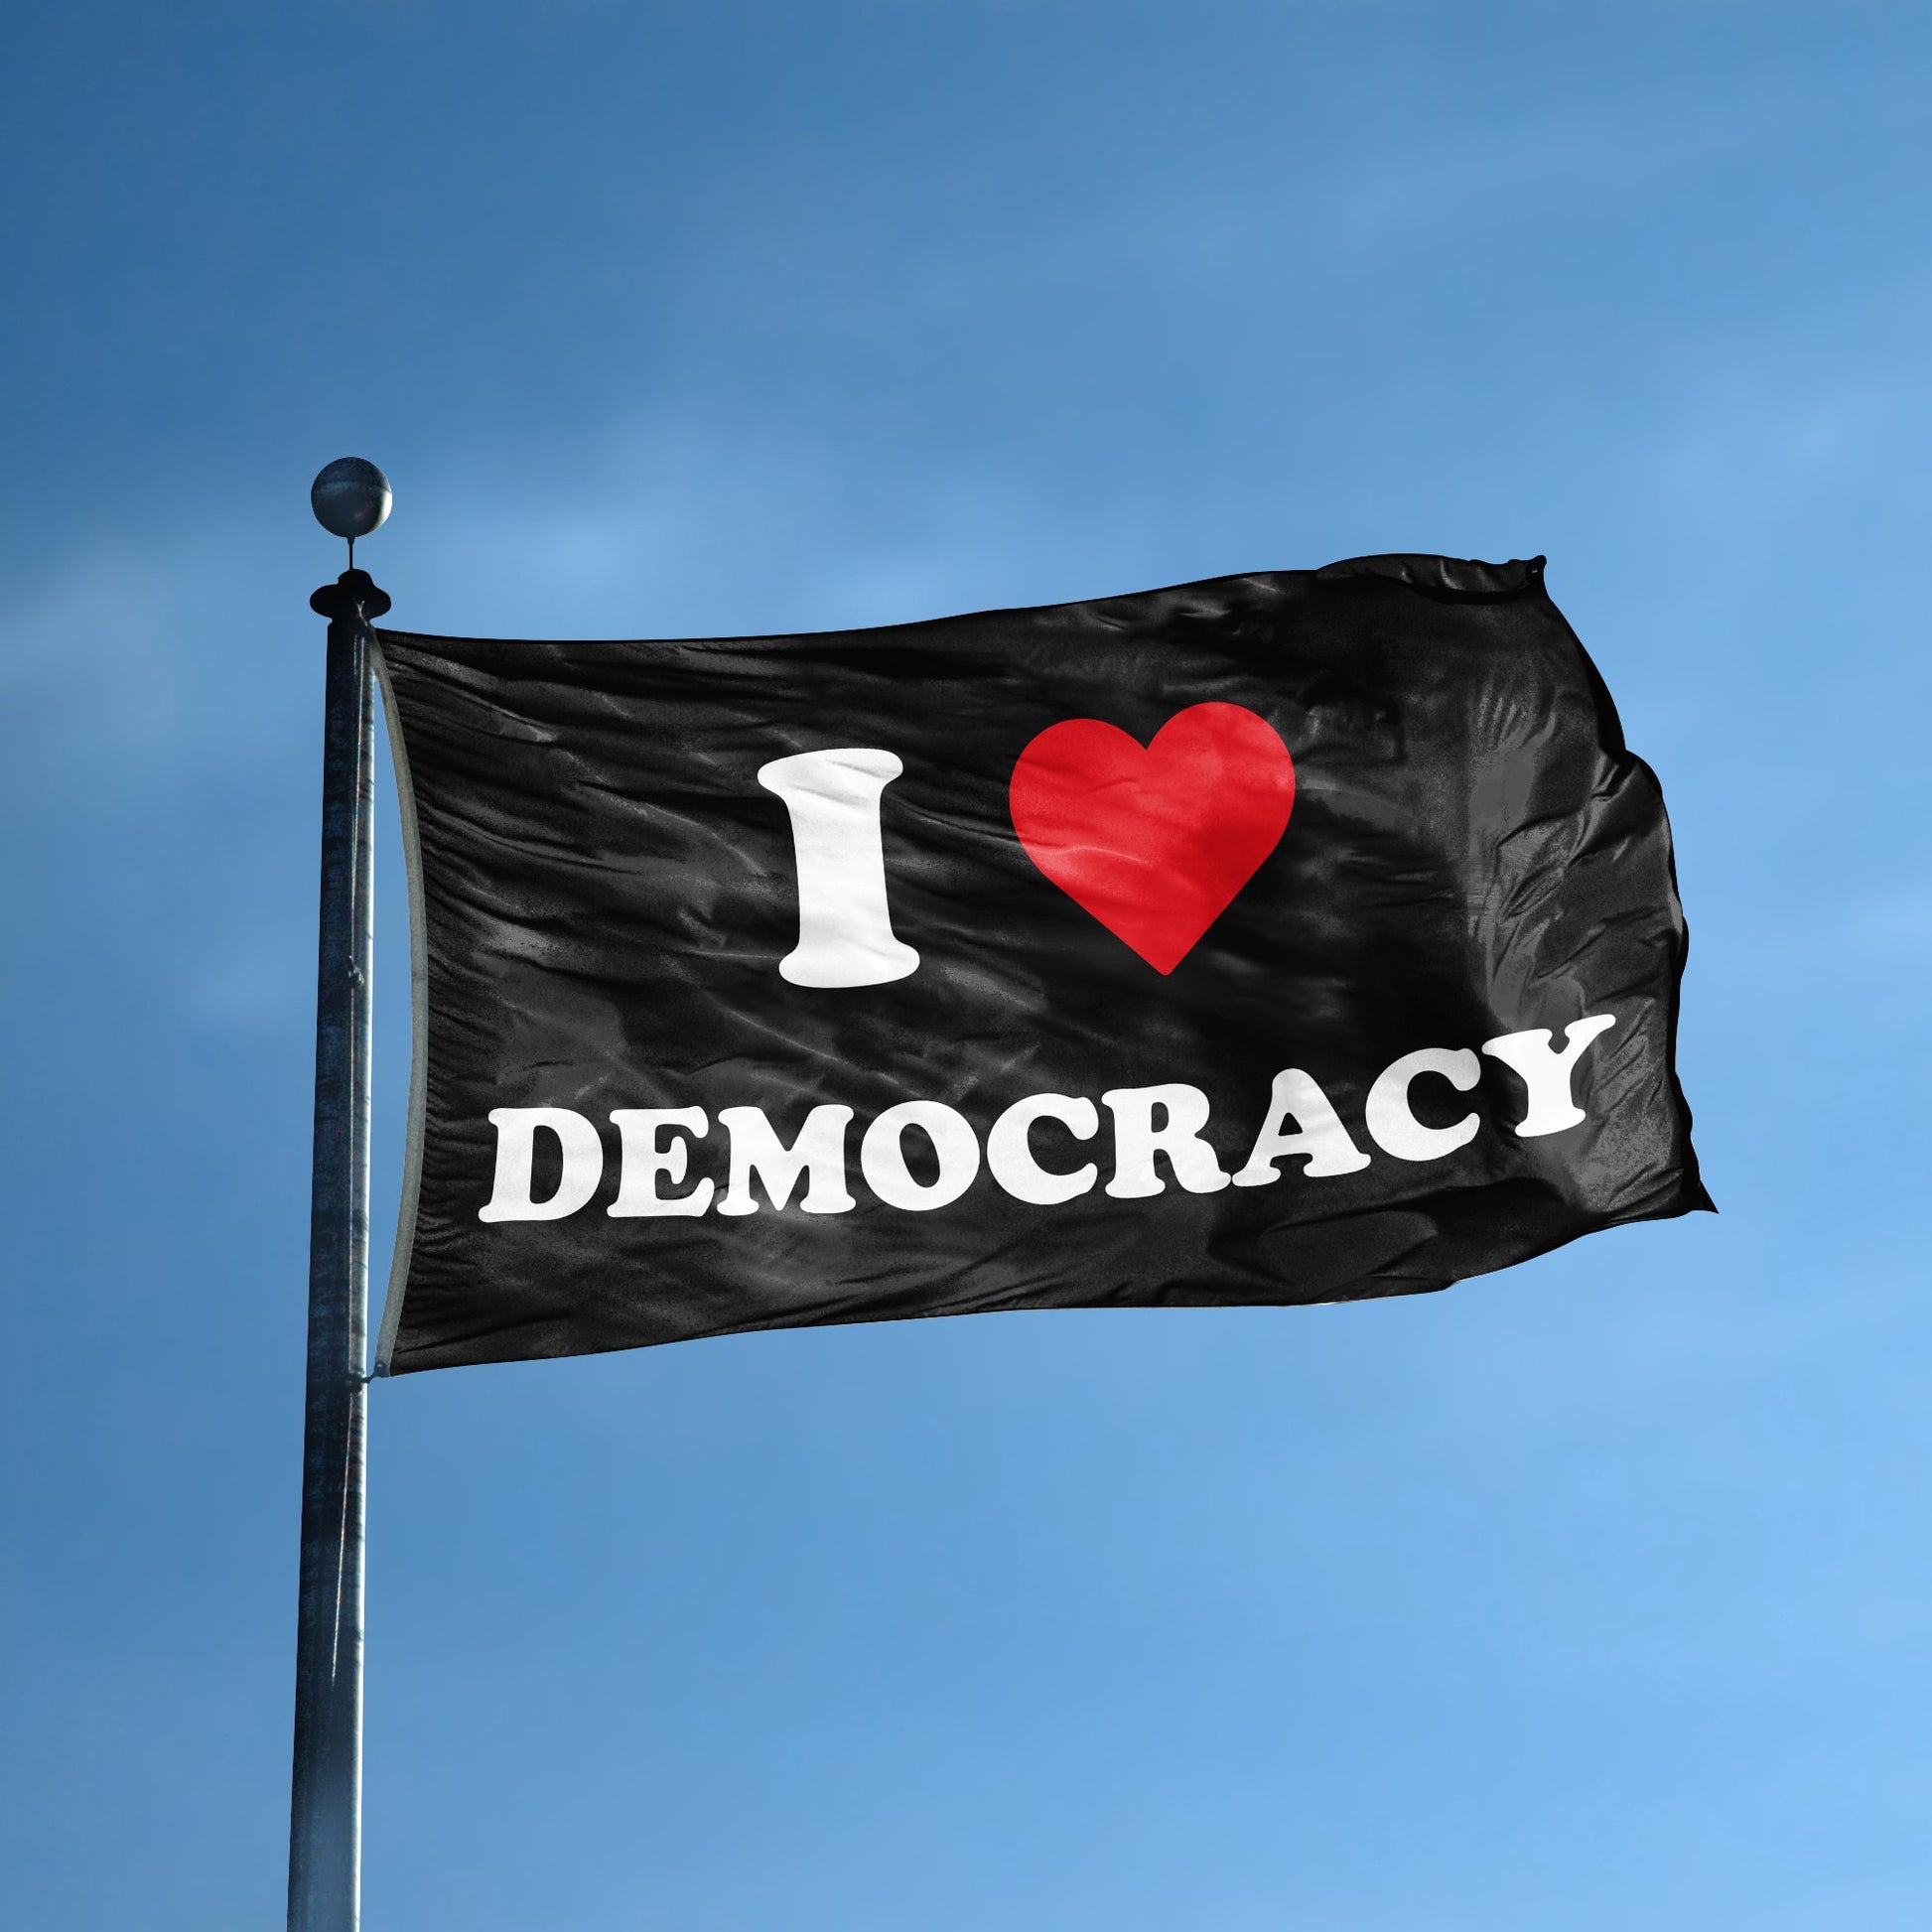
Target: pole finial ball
pixel 351 497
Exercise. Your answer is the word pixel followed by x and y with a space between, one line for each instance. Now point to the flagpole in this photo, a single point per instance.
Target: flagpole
pixel 326 1809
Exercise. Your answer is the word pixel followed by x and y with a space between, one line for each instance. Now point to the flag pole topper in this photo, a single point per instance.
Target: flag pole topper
pixel 351 497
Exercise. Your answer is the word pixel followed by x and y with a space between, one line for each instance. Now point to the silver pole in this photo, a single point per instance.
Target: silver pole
pixel 351 497
pixel 326 1820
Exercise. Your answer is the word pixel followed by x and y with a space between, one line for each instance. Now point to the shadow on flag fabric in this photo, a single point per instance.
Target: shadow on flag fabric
pixel 1293 937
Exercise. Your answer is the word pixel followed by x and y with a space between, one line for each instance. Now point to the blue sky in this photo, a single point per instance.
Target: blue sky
pixel 1594 1595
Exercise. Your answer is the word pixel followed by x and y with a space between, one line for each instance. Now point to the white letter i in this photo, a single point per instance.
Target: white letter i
pixel 845 926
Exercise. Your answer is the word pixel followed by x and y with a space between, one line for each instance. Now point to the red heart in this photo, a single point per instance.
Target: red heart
pixel 1154 843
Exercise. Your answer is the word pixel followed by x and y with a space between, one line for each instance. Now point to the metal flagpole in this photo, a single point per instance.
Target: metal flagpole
pixel 351 498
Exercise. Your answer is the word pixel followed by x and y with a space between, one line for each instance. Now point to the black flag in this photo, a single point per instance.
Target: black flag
pixel 1292 937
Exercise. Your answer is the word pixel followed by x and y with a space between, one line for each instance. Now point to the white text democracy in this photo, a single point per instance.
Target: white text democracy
pixel 1166 1120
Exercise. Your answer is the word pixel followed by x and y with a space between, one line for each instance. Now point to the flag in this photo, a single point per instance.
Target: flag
pixel 1293 937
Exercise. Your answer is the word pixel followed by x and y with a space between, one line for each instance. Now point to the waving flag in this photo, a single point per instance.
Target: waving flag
pixel 1291 937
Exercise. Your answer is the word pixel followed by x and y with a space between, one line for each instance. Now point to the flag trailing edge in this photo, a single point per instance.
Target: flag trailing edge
pixel 1289 938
